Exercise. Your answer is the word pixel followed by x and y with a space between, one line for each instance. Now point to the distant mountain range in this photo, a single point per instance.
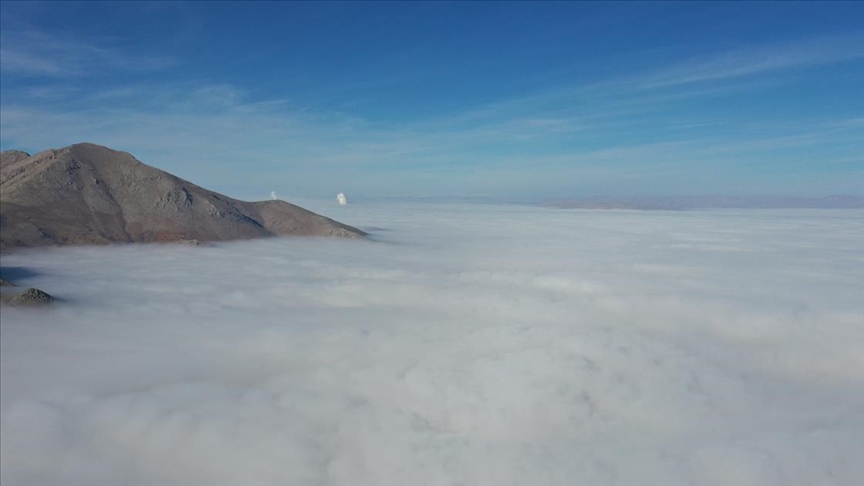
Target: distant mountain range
pixel 712 202
pixel 89 194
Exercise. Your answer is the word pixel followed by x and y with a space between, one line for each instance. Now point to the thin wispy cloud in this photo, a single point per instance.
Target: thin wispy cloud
pixel 743 62
pixel 757 59
pixel 17 61
pixel 201 132
pixel 577 133
pixel 35 53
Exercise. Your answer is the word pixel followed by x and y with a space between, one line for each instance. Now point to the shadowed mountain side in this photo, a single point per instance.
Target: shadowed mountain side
pixel 89 194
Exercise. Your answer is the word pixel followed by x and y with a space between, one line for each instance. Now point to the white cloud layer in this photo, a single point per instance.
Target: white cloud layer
pixel 468 345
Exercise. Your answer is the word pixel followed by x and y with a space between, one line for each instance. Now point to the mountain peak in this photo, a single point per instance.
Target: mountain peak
pixel 90 194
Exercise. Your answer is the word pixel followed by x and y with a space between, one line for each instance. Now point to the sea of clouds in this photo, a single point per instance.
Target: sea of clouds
pixel 463 344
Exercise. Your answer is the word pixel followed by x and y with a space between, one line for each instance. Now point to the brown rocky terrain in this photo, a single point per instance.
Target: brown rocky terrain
pixel 27 298
pixel 89 194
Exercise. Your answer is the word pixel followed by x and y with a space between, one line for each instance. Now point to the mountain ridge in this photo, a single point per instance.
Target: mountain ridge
pixel 90 194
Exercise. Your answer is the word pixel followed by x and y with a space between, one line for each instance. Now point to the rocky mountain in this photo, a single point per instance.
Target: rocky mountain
pixel 89 194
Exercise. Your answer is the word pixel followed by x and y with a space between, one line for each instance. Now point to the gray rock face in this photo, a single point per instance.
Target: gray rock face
pixel 31 297
pixel 89 194
pixel 11 156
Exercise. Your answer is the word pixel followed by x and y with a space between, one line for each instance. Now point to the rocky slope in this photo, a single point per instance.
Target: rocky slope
pixel 89 194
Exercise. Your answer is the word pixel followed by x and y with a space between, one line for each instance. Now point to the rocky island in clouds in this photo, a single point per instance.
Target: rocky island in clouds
pixel 89 194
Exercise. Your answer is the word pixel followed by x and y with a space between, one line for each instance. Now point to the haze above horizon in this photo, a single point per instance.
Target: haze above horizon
pixel 539 100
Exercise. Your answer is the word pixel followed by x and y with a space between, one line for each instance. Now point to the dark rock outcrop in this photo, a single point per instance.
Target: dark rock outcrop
pixel 30 298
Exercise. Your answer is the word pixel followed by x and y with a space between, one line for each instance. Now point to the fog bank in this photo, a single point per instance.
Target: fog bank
pixel 466 344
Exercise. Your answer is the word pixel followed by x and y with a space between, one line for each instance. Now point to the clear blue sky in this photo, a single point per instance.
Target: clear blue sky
pixel 536 100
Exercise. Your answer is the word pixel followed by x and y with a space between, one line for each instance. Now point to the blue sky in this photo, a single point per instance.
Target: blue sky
pixel 519 100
